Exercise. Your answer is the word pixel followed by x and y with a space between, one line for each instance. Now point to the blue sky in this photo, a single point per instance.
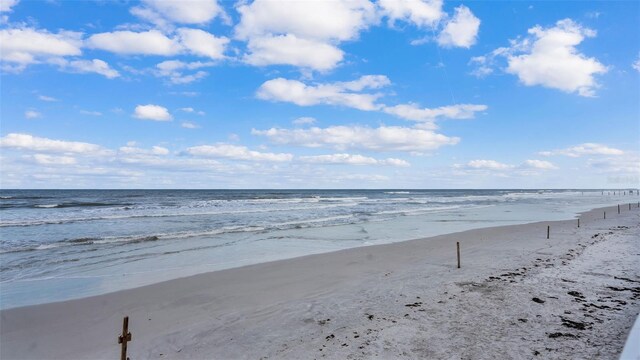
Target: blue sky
pixel 319 94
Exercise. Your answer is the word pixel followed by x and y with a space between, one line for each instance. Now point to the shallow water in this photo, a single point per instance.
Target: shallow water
pixel 63 244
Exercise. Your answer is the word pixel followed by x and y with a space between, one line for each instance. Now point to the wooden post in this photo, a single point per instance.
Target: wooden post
pixel 548 228
pixel 458 250
pixel 578 222
pixel 124 338
pixel 618 208
pixel 605 214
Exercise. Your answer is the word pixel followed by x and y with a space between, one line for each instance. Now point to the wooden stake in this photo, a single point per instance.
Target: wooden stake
pixel 618 208
pixel 124 338
pixel 458 249
pixel 578 222
pixel 548 228
pixel 605 214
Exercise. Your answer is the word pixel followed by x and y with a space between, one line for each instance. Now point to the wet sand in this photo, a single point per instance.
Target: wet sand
pixel 517 295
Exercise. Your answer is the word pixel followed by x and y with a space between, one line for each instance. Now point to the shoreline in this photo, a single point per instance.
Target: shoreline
pixel 221 310
pixel 75 277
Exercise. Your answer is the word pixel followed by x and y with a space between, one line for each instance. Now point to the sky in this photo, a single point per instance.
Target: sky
pixel 319 94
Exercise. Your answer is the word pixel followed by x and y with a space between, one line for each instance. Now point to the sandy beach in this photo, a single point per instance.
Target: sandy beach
pixel 517 295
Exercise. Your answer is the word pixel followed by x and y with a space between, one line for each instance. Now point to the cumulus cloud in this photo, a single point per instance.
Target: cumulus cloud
pixel 422 13
pixel 498 166
pixel 338 93
pixel 155 150
pixel 315 19
pixel 461 30
pixel 636 64
pixel 384 138
pixel 538 164
pixel 303 34
pixel 236 152
pixel 352 159
pixel 152 112
pixel 153 42
pixel 96 66
pixel 183 11
pixel 305 120
pixel 201 43
pixel 7 5
pixel 189 125
pixel 44 159
pixel 628 164
pixel 150 42
pixel 584 149
pixel 548 57
pixel 415 113
pixel 33 143
pixel 350 94
pixel 487 164
pixel 174 71
pixel 23 46
pixel 291 50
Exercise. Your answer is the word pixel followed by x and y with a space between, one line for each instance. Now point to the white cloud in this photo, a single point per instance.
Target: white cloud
pixel 538 164
pixel 174 70
pixel 290 50
pixel 6 5
pixel 153 42
pixel 236 152
pixel 349 159
pixel 483 66
pixel 461 30
pixel 152 112
pixel 384 138
pixel 487 165
pixel 415 113
pixel 32 114
pixel 550 58
pixel 179 11
pixel 92 113
pixel 47 98
pixel 44 159
pixel 350 94
pixel 629 164
pixel 25 46
pixel 584 149
pixel 155 150
pixel 86 66
pixel 338 93
pixel 150 42
pixel 314 19
pixel 33 143
pixel 422 13
pixel 192 110
pixel 202 43
pixel 305 120
pixel 636 64
pixel 189 125
pixel 491 165
pixel 301 33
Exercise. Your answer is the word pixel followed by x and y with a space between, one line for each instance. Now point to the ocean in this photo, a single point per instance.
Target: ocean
pixel 63 244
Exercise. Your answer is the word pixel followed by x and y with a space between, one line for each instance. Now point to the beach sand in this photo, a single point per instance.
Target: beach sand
pixel 517 295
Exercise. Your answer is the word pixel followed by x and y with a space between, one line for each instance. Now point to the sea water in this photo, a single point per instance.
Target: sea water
pixel 63 244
